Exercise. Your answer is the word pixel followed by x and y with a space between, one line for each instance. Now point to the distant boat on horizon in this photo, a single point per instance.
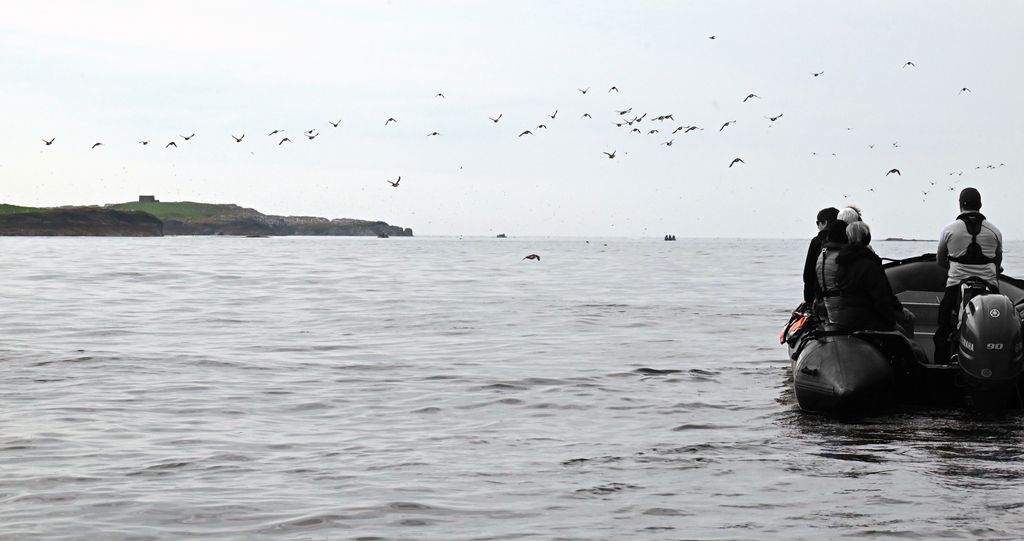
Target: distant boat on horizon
pixel 502 236
pixel 670 237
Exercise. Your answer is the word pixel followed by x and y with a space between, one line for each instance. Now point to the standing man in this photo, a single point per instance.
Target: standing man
pixel 970 246
pixel 825 217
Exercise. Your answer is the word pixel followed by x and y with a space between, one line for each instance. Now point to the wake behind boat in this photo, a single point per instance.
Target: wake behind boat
pixel 842 371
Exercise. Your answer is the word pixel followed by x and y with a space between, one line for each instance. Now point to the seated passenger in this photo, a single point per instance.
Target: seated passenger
pixel 826 299
pixel 866 300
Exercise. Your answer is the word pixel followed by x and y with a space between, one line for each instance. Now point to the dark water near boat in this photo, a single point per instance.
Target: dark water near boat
pixel 350 388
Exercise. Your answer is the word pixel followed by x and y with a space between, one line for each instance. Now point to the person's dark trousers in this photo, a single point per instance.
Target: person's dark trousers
pixel 948 307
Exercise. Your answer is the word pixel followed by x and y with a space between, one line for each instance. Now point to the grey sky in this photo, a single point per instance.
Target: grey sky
pixel 119 72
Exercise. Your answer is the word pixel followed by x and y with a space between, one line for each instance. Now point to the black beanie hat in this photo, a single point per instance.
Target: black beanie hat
pixel 836 232
pixel 970 198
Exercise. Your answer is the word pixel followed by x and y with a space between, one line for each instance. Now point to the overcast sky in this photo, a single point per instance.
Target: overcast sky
pixel 120 72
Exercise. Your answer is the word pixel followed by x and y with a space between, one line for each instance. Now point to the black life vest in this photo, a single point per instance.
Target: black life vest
pixel 973 255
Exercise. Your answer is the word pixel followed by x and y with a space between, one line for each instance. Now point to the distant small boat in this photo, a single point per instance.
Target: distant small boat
pixel 670 237
pixel 382 235
pixel 257 236
pixel 502 236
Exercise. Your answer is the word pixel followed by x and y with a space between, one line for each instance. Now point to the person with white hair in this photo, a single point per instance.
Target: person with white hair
pixel 849 214
pixel 866 297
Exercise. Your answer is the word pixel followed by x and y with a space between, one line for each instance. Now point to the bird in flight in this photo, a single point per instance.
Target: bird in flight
pixel 652 132
pixel 615 88
pixel 541 127
pixel 583 90
pixel 311 136
pixel 275 132
pixel 735 161
pixel 669 142
pixel 711 37
pixel 335 124
pixel 893 170
pixel 284 140
pixel 626 112
pixel 637 130
pixel 171 144
pixel 143 143
pixel 817 73
pixel 95 145
pixel 586 115
pixel 962 90
pixel 911 64
pixel 726 124
pixel 553 115
pixel 750 96
pixel 238 139
pixel 691 128
pixel 495 120
pixel 433 133
pixel 533 257
pixel 389 120
pixel 526 132
pixel 439 95
pixel 774 118
pixel 395 183
pixel 680 128
pixel 611 155
pixel 50 142
pixel 187 138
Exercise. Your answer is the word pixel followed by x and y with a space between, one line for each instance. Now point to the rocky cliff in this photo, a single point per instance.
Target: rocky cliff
pixel 80 221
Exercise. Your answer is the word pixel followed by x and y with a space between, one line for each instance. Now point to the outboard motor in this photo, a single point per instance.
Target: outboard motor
pixel 990 348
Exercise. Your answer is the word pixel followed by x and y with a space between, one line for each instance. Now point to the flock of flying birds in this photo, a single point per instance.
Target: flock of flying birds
pixel 624 119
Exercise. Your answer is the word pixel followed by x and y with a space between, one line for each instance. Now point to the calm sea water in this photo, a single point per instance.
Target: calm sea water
pixel 441 388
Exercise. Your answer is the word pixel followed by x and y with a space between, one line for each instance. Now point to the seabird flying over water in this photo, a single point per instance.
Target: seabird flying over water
pixel 389 120
pixel 726 124
pixel 335 124
pixel 433 133
pixel 652 132
pixel 583 90
pixel 495 120
pixel 553 115
pixel 911 64
pixel 817 73
pixel 187 138
pixel 586 115
pixel 526 132
pixel 669 142
pixel 735 161
pixel 611 155
pixel 750 96
pixel 284 140
pixel 171 144
pixel 311 136
pixel 238 139
pixel 143 143
pixel 964 89
pixel 95 145
pixel 439 95
pixel 613 88
pixel 680 128
pixel 893 170
pixel 275 132
pixel 774 118
pixel 395 183
pixel 50 142
pixel 626 112
pixel 534 257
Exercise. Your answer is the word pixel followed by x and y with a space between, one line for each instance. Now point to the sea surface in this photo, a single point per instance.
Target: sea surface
pixel 446 389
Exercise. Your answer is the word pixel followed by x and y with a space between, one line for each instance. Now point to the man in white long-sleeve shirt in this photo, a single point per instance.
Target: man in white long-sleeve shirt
pixel 969 247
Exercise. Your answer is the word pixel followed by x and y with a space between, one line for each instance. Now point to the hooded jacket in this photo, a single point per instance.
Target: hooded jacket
pixel 866 300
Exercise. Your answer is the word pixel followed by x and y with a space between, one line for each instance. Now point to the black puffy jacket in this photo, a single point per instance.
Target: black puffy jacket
pixel 866 300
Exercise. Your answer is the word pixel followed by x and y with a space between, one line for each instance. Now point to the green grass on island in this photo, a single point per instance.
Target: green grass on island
pixel 15 209
pixel 180 210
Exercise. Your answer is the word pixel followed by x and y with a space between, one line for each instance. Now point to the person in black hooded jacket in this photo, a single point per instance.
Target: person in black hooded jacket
pixel 866 298
pixel 825 217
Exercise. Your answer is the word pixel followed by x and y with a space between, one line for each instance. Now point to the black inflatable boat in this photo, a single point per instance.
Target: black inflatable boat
pixel 842 371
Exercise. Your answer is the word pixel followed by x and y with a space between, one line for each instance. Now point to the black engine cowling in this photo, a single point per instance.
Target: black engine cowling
pixel 990 348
